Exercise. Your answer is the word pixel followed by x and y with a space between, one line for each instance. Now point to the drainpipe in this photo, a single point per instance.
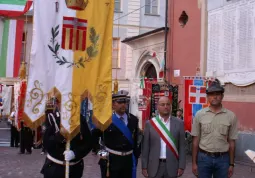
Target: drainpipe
pixel 166 30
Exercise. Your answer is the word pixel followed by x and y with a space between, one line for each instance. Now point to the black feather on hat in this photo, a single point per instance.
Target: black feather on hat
pixel 215 87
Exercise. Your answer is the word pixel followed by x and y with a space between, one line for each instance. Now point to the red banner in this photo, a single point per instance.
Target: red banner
pixel 147 91
pixel 21 100
pixel 152 98
pixel 195 98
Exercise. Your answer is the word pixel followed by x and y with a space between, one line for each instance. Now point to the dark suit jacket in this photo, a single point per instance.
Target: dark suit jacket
pixel 151 149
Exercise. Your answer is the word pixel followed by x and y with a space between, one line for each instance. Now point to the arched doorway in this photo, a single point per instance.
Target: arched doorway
pixel 150 71
pixel 147 66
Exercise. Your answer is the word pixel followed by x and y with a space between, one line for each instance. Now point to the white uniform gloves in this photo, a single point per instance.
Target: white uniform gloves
pixel 69 155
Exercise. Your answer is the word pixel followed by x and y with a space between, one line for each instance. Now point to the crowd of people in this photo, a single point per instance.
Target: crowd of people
pixel 160 146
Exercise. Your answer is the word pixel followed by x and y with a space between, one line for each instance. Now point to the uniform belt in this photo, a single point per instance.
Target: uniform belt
pixel 119 152
pixel 213 154
pixel 61 162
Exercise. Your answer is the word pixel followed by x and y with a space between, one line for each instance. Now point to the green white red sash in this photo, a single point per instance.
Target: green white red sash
pixel 165 134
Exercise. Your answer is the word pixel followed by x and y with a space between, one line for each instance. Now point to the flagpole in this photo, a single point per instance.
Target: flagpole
pixel 67 162
pixel 165 45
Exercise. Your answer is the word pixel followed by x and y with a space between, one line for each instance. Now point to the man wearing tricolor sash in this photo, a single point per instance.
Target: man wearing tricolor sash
pixel 163 146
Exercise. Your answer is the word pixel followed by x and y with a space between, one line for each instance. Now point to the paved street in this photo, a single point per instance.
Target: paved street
pixel 5 136
pixel 13 165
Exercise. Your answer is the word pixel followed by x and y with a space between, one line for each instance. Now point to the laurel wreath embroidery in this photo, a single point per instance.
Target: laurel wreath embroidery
pixel 91 51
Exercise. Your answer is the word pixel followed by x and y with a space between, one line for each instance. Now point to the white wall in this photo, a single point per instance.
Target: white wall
pixel 141 50
pixel 154 21
pixel 124 10
pixel 214 4
pixel 133 25
pixel 29 28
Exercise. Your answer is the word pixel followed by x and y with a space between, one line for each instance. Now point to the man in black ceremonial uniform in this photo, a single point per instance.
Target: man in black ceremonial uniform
pixel 14 131
pixel 121 151
pixel 26 139
pixel 55 144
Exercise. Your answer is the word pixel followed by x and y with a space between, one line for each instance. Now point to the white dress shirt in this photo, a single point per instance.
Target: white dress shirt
pixel 162 143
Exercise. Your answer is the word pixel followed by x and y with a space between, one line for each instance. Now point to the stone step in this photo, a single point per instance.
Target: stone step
pixel 4 144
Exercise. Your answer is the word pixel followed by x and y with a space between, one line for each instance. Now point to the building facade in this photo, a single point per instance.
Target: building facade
pixel 132 18
pixel 231 58
pixel 216 39
pixel 183 42
pixel 147 59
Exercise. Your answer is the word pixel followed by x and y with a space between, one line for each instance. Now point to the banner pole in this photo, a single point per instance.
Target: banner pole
pixel 67 162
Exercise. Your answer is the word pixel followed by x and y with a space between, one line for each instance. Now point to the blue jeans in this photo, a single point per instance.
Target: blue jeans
pixel 209 166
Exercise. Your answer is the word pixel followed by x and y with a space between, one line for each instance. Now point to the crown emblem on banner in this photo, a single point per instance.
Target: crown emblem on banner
pixel 77 4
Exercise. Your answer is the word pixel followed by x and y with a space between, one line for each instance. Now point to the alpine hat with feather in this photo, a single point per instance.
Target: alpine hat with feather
pixel 215 86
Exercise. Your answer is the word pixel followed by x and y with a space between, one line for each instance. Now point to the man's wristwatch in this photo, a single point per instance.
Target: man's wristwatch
pixel 233 165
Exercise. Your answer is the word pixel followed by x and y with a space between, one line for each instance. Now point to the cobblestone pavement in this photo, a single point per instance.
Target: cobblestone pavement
pixel 13 165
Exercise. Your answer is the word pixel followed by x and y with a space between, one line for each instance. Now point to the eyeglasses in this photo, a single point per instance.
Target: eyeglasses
pixel 164 104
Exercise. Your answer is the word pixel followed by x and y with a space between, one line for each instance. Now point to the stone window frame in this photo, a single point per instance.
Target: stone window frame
pixel 116 59
pixel 149 5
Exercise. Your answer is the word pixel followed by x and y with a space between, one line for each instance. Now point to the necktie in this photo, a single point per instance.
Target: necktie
pixel 121 118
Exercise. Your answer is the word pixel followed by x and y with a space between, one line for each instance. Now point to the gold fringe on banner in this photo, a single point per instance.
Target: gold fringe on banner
pixel 22 71
pixel 95 121
pixel 67 135
pixel 35 124
pixel 115 86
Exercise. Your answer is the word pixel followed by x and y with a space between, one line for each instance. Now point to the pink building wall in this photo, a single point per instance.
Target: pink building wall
pixel 245 113
pixel 183 48
pixel 184 55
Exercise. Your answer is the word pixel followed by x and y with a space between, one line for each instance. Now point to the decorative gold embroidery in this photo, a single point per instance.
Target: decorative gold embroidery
pixel 71 106
pixel 36 94
pixel 65 115
pixel 100 97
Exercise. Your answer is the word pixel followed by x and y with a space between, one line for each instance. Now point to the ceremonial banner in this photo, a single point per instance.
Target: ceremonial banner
pixel 195 98
pixel 162 68
pixel 142 103
pixel 14 8
pixel 16 103
pixel 71 60
pixel 11 48
pixel 5 100
pixel 19 100
pixel 152 91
